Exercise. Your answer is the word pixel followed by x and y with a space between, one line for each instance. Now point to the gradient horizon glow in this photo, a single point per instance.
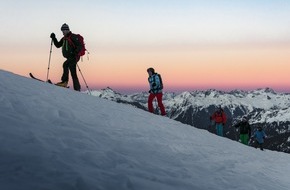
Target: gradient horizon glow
pixel 193 44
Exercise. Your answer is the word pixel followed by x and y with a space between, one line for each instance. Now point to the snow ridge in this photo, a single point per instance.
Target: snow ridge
pixel 56 138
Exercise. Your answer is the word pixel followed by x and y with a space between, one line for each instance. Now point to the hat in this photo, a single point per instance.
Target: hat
pixel 219 108
pixel 151 69
pixel 64 27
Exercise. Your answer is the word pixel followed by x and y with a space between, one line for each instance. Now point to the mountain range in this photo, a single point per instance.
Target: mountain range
pixel 264 107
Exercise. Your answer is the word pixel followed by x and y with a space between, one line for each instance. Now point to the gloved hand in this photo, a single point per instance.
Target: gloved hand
pixel 150 91
pixel 52 36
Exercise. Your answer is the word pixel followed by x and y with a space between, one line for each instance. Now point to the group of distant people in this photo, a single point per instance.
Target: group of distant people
pixel 219 118
pixel 71 47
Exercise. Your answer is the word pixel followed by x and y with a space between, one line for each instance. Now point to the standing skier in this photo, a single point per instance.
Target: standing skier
pixel 220 118
pixel 245 130
pixel 155 91
pixel 259 135
pixel 71 47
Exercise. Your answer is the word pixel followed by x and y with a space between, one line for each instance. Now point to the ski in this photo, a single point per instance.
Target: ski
pixel 48 81
pixel 32 76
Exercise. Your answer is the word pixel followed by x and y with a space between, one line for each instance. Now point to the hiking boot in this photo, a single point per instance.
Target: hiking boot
pixel 62 84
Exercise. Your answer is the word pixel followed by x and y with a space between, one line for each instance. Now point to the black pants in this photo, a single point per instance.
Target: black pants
pixel 70 65
pixel 259 145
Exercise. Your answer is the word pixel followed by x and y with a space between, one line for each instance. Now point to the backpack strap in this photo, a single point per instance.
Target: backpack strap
pixel 68 38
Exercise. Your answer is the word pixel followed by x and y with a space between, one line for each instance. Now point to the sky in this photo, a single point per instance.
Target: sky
pixel 48 144
pixel 194 45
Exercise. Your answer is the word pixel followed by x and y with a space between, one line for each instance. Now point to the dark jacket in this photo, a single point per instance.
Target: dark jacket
pixel 244 127
pixel 70 44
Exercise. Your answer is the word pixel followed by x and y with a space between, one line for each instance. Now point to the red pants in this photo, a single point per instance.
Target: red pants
pixel 159 100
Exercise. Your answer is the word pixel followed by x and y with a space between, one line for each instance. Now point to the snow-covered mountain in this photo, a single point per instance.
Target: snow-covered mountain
pixel 264 107
pixel 109 94
pixel 54 138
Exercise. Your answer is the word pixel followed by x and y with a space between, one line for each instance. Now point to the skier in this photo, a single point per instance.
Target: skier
pixel 71 47
pixel 245 130
pixel 259 136
pixel 155 91
pixel 219 117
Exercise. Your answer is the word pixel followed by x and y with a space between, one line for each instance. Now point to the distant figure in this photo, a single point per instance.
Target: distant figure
pixel 156 86
pixel 219 117
pixel 245 130
pixel 71 46
pixel 259 136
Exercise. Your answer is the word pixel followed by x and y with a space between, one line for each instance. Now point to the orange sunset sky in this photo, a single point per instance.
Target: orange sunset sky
pixel 193 44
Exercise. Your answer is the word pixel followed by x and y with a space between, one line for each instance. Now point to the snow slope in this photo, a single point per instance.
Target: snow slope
pixel 58 139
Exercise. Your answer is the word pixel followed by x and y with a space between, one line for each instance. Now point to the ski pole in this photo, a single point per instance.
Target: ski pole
pixel 49 61
pixel 84 80
pixel 156 106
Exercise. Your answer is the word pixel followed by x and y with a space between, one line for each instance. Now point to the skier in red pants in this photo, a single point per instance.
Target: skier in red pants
pixel 156 86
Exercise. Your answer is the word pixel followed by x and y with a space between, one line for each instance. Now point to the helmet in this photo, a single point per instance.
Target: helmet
pixel 219 108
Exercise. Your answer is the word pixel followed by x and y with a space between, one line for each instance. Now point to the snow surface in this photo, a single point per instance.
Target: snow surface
pixel 58 139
